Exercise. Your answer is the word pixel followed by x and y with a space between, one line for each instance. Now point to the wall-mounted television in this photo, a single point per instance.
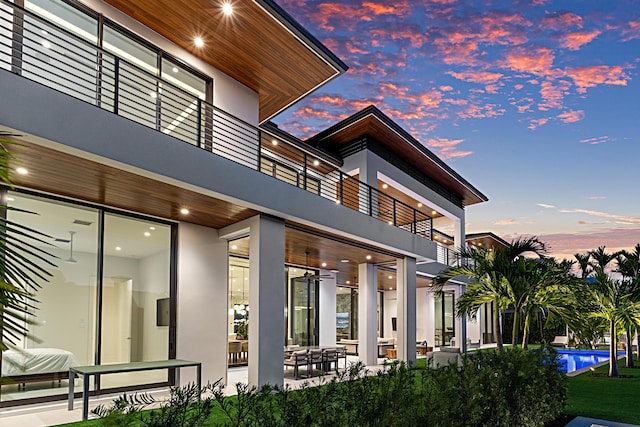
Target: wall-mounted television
pixel 162 312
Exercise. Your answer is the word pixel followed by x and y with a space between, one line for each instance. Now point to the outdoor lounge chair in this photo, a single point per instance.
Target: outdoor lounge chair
pixel 560 341
pixel 297 359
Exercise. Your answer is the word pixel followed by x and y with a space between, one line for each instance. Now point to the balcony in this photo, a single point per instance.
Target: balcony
pixel 36 49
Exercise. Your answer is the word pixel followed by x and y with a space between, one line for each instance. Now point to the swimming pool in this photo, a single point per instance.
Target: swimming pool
pixel 573 360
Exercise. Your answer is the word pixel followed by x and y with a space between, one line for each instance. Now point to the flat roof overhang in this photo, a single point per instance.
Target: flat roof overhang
pixel 375 124
pixel 259 45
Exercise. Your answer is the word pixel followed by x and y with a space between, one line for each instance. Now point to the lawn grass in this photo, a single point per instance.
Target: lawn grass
pixel 612 399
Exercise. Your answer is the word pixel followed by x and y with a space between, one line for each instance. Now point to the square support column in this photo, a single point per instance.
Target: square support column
pixel 431 319
pixel 406 285
pixel 266 300
pixel 460 323
pixel 327 311
pixel 368 314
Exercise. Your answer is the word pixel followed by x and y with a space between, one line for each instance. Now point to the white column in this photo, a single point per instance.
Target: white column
pixel 266 300
pixel 460 323
pixel 327 311
pixel 368 314
pixel 406 285
pixel 459 236
pixel 431 319
pixel 202 301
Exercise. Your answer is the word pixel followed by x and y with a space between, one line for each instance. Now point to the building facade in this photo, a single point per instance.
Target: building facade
pixel 187 225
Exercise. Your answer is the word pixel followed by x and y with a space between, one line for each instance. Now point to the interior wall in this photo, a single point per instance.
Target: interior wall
pixel 422 322
pixel 390 310
pixel 153 285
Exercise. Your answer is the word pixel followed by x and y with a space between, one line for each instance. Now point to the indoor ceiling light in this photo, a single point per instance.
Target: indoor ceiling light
pixel 118 248
pixel 184 211
pixel 390 288
pixel 152 228
pixel 348 282
pixel 316 163
pixel 324 264
pixel 390 277
pixel 22 171
pixel 147 234
pixel 174 69
pixel 227 8
pixel 344 260
pixel 368 256
pixel 198 42
pixel 234 247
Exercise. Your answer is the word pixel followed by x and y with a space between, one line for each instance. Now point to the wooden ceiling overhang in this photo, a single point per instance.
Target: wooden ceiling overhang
pixel 371 122
pixel 259 45
pixel 487 240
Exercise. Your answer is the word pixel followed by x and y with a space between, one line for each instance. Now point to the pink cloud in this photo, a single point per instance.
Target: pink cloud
pixel 623 218
pixel 446 148
pixel 591 76
pixel 446 88
pixel 575 40
pixel 535 123
pixel 398 9
pixel 632 31
pixel 473 76
pixel 596 140
pixel 571 116
pixel 596 197
pixel 565 245
pixel 532 60
pixel 508 221
pixel 474 111
pixel 552 94
pixel 561 21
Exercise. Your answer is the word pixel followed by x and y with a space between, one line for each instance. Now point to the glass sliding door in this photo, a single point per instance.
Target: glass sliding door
pixel 63 330
pixel 135 281
pixel 238 323
pixel 488 335
pixel 444 319
pixel 302 307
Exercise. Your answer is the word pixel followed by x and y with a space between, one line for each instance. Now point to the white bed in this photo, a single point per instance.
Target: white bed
pixel 37 364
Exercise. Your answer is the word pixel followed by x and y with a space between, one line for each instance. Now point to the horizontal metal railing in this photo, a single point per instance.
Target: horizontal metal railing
pixel 43 52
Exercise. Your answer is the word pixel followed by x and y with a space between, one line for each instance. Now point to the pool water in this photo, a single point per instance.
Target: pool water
pixel 573 360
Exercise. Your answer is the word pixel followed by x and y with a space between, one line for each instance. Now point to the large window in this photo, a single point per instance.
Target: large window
pixel 238 323
pixel 444 317
pixel 101 302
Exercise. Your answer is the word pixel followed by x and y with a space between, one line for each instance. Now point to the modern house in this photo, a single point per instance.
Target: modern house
pixel 185 223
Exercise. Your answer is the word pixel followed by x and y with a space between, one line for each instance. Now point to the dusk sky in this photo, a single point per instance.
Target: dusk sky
pixel 536 103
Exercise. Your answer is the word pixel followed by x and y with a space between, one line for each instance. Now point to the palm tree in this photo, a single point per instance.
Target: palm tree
pixel 610 300
pixel 549 293
pixel 487 273
pixel 629 267
pixel 22 264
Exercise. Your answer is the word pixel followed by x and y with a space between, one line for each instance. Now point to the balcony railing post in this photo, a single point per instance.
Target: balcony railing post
pixel 414 224
pixel 116 85
pixel 304 170
pixel 370 201
pixel 199 125
pixel 394 212
pixel 259 150
pixel 341 190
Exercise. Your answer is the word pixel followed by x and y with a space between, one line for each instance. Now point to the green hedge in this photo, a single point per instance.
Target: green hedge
pixel 513 388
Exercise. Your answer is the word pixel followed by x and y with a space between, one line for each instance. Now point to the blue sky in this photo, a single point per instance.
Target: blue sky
pixel 536 103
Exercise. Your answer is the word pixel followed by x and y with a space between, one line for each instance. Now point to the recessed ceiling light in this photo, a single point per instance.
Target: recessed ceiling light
pixel 348 282
pixel 227 8
pixel 419 205
pixel 368 257
pixel 118 248
pixel 344 260
pixel 198 42
pixel 294 270
pixel 324 264
pixel 46 44
pixel 174 69
pixel 274 142
pixel 444 240
pixel 316 162
pixel 234 247
pixel 22 171
pixel 385 186
pixel 184 211
pixel 390 288
pixel 152 228
pixel 433 212
pixel 390 222
pixel 390 277
pixel 147 234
